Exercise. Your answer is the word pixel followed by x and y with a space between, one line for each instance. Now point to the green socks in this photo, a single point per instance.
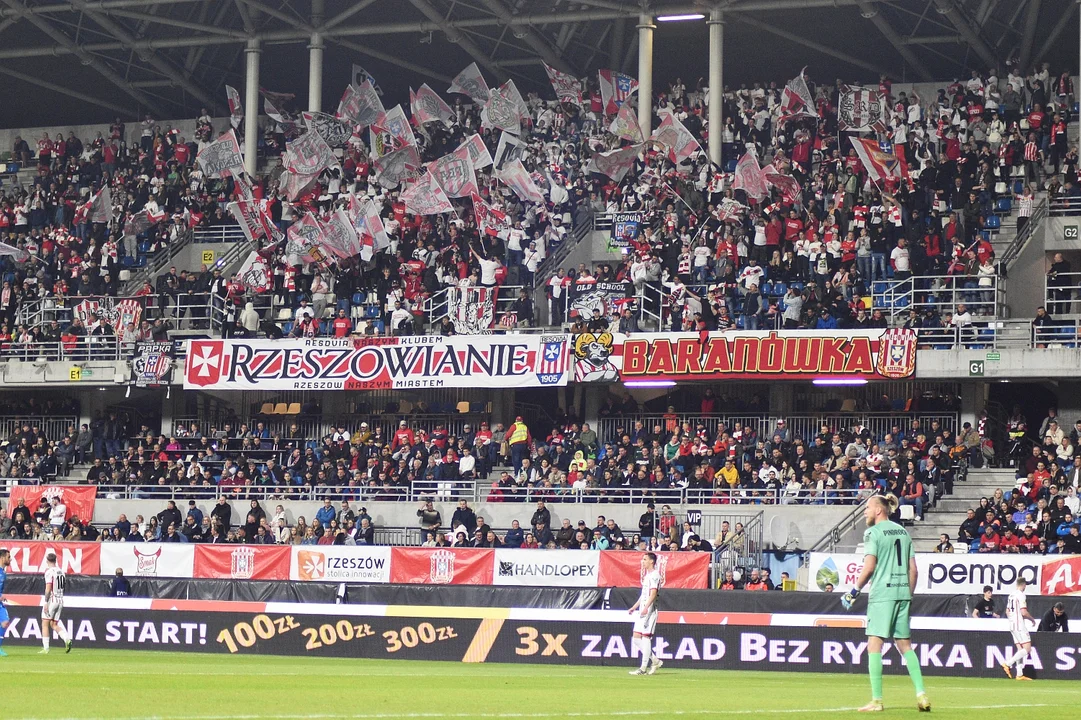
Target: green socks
pixel 874 667
pixel 913 664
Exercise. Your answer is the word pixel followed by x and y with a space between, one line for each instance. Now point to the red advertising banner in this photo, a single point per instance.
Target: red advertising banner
pixel 441 566
pixel 1061 576
pixel 79 499
pixel 684 570
pixel 74 558
pixel 242 562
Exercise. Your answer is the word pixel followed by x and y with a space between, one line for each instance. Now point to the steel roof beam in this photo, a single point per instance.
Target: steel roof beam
pixel 873 13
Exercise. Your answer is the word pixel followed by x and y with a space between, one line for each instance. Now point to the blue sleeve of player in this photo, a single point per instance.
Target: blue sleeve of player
pixel 3 580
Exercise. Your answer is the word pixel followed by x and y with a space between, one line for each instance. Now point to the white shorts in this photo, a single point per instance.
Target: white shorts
pixel 645 625
pixel 1021 636
pixel 52 609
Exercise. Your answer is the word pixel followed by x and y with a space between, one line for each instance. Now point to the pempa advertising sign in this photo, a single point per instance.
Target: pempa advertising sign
pixel 441 566
pixel 241 562
pixel 684 570
pixel 948 574
pixel 503 361
pixel 547 568
pixel 78 499
pixel 74 558
pixel 753 355
pixel 149 559
pixel 339 563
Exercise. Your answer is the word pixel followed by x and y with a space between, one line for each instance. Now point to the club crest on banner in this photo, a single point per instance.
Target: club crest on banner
pixel 152 363
pixel 472 309
pixel 442 567
pixel 897 353
pixel 593 358
pixel 242 563
pixel 111 311
pixel 205 359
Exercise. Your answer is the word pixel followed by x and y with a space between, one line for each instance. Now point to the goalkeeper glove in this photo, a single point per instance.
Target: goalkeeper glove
pixel 849 598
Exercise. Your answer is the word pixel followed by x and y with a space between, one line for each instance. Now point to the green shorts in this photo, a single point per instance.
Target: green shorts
pixel 888 619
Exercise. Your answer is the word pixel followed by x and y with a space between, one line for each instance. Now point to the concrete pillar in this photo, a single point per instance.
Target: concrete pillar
pixel 645 73
pixel 315 61
pixel 716 84
pixel 615 54
pixel 973 401
pixel 251 107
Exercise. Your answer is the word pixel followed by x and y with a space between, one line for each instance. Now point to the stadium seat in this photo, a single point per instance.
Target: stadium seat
pixel 908 513
pixel 462 407
pixel 293 409
pixel 127 261
pixel 124 275
pixel 1003 205
pixel 285 314
pixel 266 409
pixel 849 405
pixel 281 409
pixel 358 298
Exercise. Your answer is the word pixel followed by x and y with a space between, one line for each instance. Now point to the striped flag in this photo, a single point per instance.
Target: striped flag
pixel 615 89
pixel 553 358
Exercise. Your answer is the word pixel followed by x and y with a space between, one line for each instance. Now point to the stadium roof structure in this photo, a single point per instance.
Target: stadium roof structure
pixel 78 61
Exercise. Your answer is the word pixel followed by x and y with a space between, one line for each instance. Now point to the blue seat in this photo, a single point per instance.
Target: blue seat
pixel 378 324
pixel 730 166
pixel 879 288
pixel 994 222
pixel 358 298
pixel 779 288
pixel 372 311
pixel 1018 186
pixel 343 304
pixel 1076 108
pixel 987 233
pixel 127 261
pixel 287 328
pixel 1003 205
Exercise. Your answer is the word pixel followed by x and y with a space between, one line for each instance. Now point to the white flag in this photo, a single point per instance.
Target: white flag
pixel 471 84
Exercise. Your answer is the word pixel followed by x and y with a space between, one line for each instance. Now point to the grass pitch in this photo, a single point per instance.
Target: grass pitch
pixel 124 685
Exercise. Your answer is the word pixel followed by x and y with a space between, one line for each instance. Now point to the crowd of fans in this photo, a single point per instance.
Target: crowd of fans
pixel 796 261
pixel 1040 514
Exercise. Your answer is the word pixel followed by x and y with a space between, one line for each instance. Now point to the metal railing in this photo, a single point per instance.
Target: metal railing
pixel 559 253
pixel 65 309
pixel 1040 212
pixel 52 427
pixel 311 429
pixel 830 541
pixel 805 427
pixel 81 349
pixel 942 293
pixel 156 263
pixel 219 234
pixel 745 552
pixel 438 306
pixel 676 495
pixel 1063 206
pixel 1002 334
pixel 439 491
pixel 1058 293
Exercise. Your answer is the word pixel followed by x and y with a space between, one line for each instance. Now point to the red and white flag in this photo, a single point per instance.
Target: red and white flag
pixel 142 221
pixel 625 125
pixel 255 274
pixel 880 160
pixel 515 176
pixel 860 109
pixel 489 220
pixel 360 105
pixel 304 241
pixel 391 132
pixel 791 192
pixel 749 177
pixel 255 223
pixel 615 89
pixel 221 157
pixel 454 173
pixel 425 107
pixel 470 83
pixel 478 151
pixel 309 155
pixel 615 163
pixel 730 210
pixel 796 99
pixel 236 109
pixel 371 235
pixel 339 236
pixel 680 142
pixel 100 207
pixel 426 198
pixel 501 112
pixel 567 87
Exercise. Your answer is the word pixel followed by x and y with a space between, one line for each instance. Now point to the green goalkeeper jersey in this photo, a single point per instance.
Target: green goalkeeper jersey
pixel 890 544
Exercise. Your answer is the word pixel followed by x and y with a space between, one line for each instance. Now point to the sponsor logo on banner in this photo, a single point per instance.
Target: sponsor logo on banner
pixel 1062 576
pixel 938 574
pixel 74 558
pixel 751 355
pixel 506 361
pixel 340 564
pixel 176 560
pixel 79 500
pixel 549 568
pixel 242 562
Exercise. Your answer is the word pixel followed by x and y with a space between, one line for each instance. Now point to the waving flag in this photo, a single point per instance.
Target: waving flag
pixel 489 220
pixel 221 157
pixel 255 223
pixel 391 133
pixel 730 210
pixel 470 83
pixel 860 110
pixel 426 198
pixel 790 189
pixel 304 241
pixel 615 89
pixel 568 88
pixel 517 179
pixel 309 155
pixel 615 163
pixel 749 177
pixel 880 160
pixel 371 235
pixel 478 151
pixel 361 105
pixel 361 76
pixel 502 112
pixel 142 221
pixel 397 166
pixel 236 110
pixel 100 208
pixel 334 131
pixel 680 142
pixel 626 125
pixel 454 173
pixel 255 274
pixel 339 236
pixel 796 99
pixel 425 106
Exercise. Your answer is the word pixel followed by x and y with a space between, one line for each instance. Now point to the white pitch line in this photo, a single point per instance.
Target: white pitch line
pixel 526 716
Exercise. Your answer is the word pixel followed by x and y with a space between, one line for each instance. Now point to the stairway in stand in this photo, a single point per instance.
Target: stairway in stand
pixel 949 512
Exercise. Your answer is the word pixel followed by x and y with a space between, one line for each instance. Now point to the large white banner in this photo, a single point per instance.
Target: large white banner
pixel 340 563
pixel 498 361
pixel 939 574
pixel 149 559
pixel 547 568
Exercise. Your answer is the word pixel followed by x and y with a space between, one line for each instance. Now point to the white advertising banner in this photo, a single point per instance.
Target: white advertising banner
pixel 149 559
pixel 498 361
pixel 547 568
pixel 939 574
pixel 340 563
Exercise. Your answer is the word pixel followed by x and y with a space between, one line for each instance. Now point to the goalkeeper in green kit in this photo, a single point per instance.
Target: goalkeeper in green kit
pixel 890 566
